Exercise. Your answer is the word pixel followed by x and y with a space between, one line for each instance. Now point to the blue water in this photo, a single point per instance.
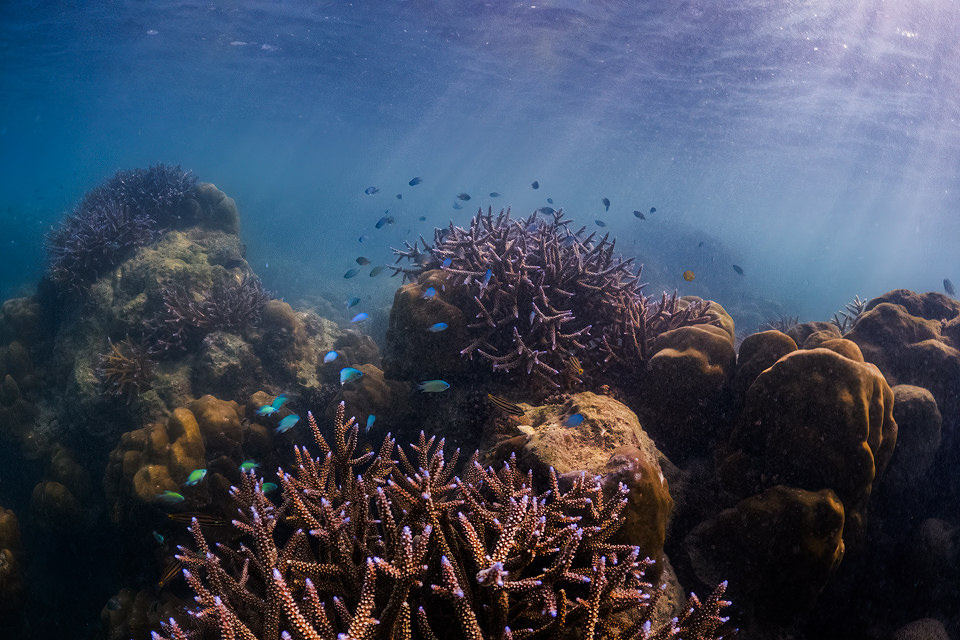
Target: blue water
pixel 815 144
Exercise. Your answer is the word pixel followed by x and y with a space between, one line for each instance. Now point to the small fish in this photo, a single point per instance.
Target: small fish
pixel 573 420
pixel 547 211
pixel 330 357
pixel 349 373
pixel 487 276
pixel 463 196
pixel 600 223
pixel 376 271
pixel 422 218
pixel 653 209
pixel 352 302
pixel 533 316
pixel 606 204
pixel 428 293
pixel 549 200
pixel 287 423
pixel 360 317
pixel 382 221
pixel 371 190
pixel 456 205
pixel 265 410
pixel 171 571
pixel 391 219
pixel 169 497
pixel 505 405
pixel 446 263
pixel 494 194
pixel 437 328
pixel 639 214
pixel 738 269
pixel 700 244
pixel 279 401
pixel 688 275
pixel 370 420
pixel 195 477
pixel 269 487
pixel 363 261
pixel 158 536
pixel 433 386
pixel 573 364
pixel 367 448
pixel 415 181
pixel 248 465
pixel 203 519
pixel 399 196
pixel 948 287
pixel 535 184
pixel 363 238
pixel 352 272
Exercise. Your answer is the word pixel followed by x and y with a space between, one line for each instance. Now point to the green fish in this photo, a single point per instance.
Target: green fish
pixel 195 477
pixel 269 486
pixel 433 386
pixel 169 497
pixel 248 465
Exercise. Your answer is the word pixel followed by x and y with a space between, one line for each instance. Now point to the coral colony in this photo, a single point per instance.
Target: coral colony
pixel 126 369
pixel 125 212
pixel 540 293
pixel 370 547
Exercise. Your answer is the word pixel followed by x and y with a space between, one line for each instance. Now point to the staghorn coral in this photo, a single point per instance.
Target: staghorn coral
pixel 232 305
pixel 537 293
pixel 370 547
pixel 125 212
pixel 848 317
pixel 126 370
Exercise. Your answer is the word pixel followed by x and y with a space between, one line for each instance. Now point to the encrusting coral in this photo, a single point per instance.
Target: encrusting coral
pixel 370 547
pixel 535 293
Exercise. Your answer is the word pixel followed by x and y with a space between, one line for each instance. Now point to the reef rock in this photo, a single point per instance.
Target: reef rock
pixel 11 558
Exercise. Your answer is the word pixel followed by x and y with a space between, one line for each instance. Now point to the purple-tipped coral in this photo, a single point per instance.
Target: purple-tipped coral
pixel 233 305
pixel 125 212
pixel 538 294
pixel 126 370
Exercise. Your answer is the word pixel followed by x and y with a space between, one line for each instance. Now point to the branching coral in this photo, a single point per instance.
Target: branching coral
pixel 539 293
pixel 848 317
pixel 363 546
pixel 126 370
pixel 231 305
pixel 127 211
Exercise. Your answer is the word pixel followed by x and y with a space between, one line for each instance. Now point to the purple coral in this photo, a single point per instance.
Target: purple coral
pixel 540 294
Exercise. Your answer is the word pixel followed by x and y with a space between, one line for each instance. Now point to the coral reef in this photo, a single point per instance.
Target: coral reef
pixel 127 369
pixel 364 546
pixel 11 557
pixel 535 293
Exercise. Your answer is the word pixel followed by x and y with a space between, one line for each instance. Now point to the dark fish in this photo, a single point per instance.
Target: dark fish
pixel 738 269
pixel 352 272
pixel 457 205
pixel 376 271
pixel 600 223
pixel 171 571
pixel 549 200
pixel 700 244
pixel 547 210
pixel 205 520
pixel 415 181
pixel 640 215
pixel 399 196
pixel 494 194
pixel 463 196
pixel 362 261
pixel 391 219
pixel 948 287
pixel 371 190
pixel 382 221
pixel 653 209
pixel 606 203
pixel 505 405
pixel 422 218
pixel 535 184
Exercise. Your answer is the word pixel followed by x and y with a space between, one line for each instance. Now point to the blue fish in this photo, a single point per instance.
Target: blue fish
pixel 195 477
pixel 433 386
pixel 287 423
pixel 348 374
pixel 429 293
pixel 169 497
pixel 371 190
pixel 437 328
pixel 330 357
pixel 360 317
pixel 265 410
pixel 352 272
pixel 158 536
pixel 370 420
pixel 600 223
pixel 573 420
pixel 549 200
pixel 447 262
pixel 279 401
pixel 382 221
pixel 486 277
pixel 352 302
pixel 415 181
pixel 494 194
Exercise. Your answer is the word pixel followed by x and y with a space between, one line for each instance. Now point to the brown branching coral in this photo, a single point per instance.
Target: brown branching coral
pixel 538 293
pixel 364 546
pixel 126 370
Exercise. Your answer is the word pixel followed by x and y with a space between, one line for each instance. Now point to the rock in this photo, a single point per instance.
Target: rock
pixel 922 629
pixel 219 422
pixel 227 366
pixel 11 559
pixel 799 333
pixel 758 351
pixel 53 508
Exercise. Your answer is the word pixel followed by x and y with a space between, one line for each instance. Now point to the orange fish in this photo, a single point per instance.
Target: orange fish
pixel 688 275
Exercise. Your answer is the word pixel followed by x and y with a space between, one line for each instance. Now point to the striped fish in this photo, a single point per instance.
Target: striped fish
pixel 205 520
pixel 505 405
pixel 574 365
pixel 171 571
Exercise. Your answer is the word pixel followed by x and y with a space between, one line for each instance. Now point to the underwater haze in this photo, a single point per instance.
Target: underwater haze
pixel 814 144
